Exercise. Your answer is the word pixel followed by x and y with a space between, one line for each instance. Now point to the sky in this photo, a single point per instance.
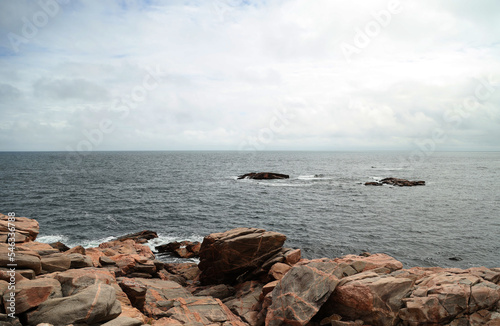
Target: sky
pixel 249 75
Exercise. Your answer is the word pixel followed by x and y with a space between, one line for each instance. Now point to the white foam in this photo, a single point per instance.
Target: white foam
pixel 52 238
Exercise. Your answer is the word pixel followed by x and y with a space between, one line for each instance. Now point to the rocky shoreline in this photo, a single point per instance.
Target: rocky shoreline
pixel 245 277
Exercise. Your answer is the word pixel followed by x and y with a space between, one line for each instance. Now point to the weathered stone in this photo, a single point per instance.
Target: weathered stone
pixel 245 303
pixel 135 291
pixel 124 321
pixel 76 280
pixel 26 228
pixel 24 258
pixel 31 293
pixel 188 271
pixel 105 260
pixel 372 262
pixel 55 263
pixel 303 290
pixel 226 256
pixel 95 304
pixel 293 256
pixel 279 270
pixel 76 250
pixel 160 296
pixel 40 248
pixel 202 311
pixel 219 291
pixel 375 299
pixel 80 261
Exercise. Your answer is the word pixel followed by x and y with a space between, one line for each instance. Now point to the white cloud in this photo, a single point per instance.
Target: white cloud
pixel 228 66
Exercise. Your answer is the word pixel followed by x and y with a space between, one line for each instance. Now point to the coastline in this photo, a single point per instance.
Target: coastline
pixel 245 277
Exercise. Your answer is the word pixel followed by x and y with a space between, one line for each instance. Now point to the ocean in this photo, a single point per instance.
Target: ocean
pixel 324 208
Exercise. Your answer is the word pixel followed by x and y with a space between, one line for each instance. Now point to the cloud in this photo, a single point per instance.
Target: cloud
pixel 226 71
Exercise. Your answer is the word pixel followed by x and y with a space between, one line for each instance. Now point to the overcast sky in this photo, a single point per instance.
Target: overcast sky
pixel 265 75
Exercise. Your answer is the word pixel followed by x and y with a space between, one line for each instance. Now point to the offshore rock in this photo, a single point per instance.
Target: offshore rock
pixel 396 182
pixel 224 257
pixel 263 176
pixel 139 237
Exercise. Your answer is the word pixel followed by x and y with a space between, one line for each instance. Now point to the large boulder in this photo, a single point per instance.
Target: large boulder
pixel 74 281
pixel 226 256
pixel 263 176
pixel 31 293
pixel 95 304
pixel 302 291
pixel 26 229
pixel 245 303
pixel 375 299
pixel 139 237
pixel 377 262
pixel 56 263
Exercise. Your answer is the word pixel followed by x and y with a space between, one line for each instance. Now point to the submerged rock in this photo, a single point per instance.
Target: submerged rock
pixel 263 176
pixel 396 182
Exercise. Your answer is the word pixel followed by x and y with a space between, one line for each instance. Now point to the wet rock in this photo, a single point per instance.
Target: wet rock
pixel 59 246
pixel 373 183
pixel 224 257
pixel 263 176
pixel 303 290
pixel 184 249
pixel 139 237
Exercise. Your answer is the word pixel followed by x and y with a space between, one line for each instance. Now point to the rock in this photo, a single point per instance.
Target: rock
pixel 128 247
pixel 5 320
pixel 24 258
pixel 123 321
pixel 402 182
pixel 59 246
pixel 293 256
pixel 136 292
pixel 166 322
pixel 372 262
pixel 160 296
pixel 375 299
pixel 76 250
pixel 42 249
pixel 279 270
pixel 263 176
pixel 440 297
pixel 25 273
pixel 167 276
pixel 220 291
pixel 184 249
pixel 268 288
pixel 95 304
pixel 31 293
pixel 188 271
pixel 74 281
pixel 105 260
pixel 373 184
pixel 226 256
pixel 80 261
pixel 26 229
pixel 55 263
pixel 303 290
pixel 139 236
pixel 245 303
pixel 202 311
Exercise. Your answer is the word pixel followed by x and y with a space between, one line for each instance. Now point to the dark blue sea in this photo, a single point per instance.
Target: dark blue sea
pixel 323 208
